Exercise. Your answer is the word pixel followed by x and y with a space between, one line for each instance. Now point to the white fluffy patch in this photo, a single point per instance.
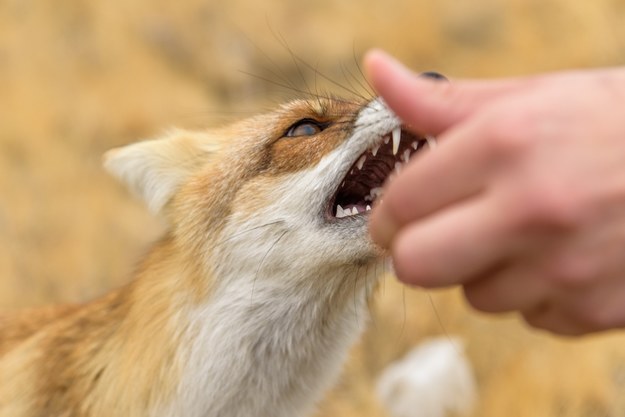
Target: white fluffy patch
pixel 433 380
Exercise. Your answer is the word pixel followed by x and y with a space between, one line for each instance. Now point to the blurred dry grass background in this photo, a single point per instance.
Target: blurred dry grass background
pixel 79 77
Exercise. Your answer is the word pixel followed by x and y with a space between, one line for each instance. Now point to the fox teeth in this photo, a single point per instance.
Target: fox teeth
pixel 406 155
pixel 396 139
pixel 398 167
pixel 361 162
pixel 340 212
pixel 368 208
pixel 386 139
pixel 415 145
pixel 376 192
pixel 431 141
pixel 374 151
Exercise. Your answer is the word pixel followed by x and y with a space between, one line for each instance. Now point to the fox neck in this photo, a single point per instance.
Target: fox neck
pixel 283 354
pixel 259 341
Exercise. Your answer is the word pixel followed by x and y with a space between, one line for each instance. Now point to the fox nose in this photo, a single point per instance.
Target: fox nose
pixel 434 75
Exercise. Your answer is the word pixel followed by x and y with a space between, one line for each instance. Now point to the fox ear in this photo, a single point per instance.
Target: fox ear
pixel 155 169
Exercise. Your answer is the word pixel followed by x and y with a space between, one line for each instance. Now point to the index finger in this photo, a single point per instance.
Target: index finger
pixel 431 106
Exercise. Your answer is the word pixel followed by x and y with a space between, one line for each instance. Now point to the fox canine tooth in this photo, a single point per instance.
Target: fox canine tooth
pixel 361 161
pixel 396 138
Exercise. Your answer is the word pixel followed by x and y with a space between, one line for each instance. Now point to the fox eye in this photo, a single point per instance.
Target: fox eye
pixel 305 127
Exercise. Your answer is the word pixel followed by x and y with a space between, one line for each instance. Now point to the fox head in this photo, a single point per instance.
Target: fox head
pixel 288 188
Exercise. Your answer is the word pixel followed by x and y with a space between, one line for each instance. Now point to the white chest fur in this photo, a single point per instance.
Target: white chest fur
pixel 267 349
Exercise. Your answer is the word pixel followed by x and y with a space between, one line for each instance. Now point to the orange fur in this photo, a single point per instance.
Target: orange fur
pixel 117 351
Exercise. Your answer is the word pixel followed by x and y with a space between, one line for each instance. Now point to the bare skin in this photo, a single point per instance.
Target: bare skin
pixel 523 201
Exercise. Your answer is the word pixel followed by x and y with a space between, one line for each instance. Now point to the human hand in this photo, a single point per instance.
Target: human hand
pixel 523 201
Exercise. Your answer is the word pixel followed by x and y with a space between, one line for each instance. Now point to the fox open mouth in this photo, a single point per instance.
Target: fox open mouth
pixel 363 183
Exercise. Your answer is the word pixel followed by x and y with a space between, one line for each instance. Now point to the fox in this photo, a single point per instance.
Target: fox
pixel 250 301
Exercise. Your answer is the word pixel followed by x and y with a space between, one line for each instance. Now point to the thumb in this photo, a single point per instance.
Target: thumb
pixel 429 105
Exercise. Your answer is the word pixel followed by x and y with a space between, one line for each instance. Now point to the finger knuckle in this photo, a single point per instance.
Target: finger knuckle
pixel 537 320
pixel 532 319
pixel 560 326
pixel 549 207
pixel 478 299
pixel 508 134
pixel 571 272
pixel 594 318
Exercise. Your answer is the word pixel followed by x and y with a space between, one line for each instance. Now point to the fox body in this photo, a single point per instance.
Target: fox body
pixel 249 303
